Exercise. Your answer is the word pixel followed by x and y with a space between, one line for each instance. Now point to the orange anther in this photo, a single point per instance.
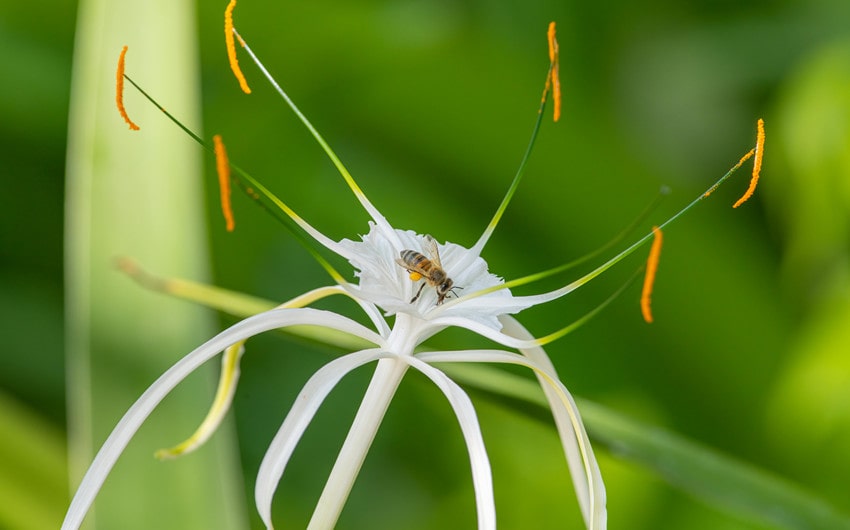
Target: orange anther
pixel 119 91
pixel 554 78
pixel 223 168
pixel 759 150
pixel 231 47
pixel 649 278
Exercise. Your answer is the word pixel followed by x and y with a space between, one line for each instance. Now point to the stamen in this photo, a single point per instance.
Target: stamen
pixel 554 77
pixel 119 91
pixel 552 83
pixel 231 47
pixel 222 166
pixel 649 279
pixel 254 188
pixel 756 165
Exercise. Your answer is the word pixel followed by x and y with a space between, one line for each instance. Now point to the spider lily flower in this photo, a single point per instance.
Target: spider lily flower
pixel 481 302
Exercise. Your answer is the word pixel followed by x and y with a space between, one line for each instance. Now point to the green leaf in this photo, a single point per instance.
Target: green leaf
pixel 138 193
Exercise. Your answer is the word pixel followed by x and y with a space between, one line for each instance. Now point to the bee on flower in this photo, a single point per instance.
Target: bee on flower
pixel 427 287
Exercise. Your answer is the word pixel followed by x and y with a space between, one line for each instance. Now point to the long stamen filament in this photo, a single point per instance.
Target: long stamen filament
pixel 343 171
pixel 589 276
pixel 552 74
pixel 542 341
pixel 243 305
pixel 253 184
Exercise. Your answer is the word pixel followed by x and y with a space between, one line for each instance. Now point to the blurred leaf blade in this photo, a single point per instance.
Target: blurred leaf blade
pixel 139 194
pixel 32 478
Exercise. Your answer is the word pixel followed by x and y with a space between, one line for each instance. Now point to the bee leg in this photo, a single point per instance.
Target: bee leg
pixel 418 293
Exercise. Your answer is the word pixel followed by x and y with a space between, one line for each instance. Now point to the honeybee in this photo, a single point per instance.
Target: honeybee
pixel 431 270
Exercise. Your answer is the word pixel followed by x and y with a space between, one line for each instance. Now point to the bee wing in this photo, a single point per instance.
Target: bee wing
pixel 434 254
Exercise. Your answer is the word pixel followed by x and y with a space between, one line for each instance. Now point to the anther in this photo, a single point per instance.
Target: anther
pixel 759 153
pixel 554 77
pixel 223 168
pixel 119 91
pixel 231 47
pixel 649 278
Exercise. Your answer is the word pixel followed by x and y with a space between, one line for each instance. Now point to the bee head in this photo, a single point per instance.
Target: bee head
pixel 444 289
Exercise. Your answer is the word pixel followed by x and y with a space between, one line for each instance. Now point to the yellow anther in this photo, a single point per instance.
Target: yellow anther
pixel 231 47
pixel 649 278
pixel 119 91
pixel 554 77
pixel 759 151
pixel 223 168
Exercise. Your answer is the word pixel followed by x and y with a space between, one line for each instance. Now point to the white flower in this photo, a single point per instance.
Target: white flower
pixel 385 285
pixel 479 302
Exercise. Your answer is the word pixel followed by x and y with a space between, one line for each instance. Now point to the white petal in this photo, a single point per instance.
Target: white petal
pixel 584 469
pixel 485 331
pixel 227 383
pixel 482 479
pixel 297 420
pixel 141 409
pixel 594 511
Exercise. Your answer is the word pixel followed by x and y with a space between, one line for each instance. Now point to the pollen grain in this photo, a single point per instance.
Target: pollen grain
pixel 649 279
pixel 759 153
pixel 223 168
pixel 231 47
pixel 119 90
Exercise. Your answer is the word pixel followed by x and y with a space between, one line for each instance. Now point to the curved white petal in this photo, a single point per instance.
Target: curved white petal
pixel 482 477
pixel 141 409
pixel 296 422
pixel 485 331
pixel 537 299
pixel 348 290
pixel 584 469
pixel 373 313
pixel 227 382
pixel 595 513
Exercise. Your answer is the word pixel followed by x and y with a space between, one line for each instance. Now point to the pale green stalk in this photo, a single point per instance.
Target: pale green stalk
pixel 137 193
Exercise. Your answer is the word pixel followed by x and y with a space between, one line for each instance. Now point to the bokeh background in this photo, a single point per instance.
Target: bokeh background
pixel 430 105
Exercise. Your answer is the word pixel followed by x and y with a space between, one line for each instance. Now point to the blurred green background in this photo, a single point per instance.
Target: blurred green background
pixel 430 105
